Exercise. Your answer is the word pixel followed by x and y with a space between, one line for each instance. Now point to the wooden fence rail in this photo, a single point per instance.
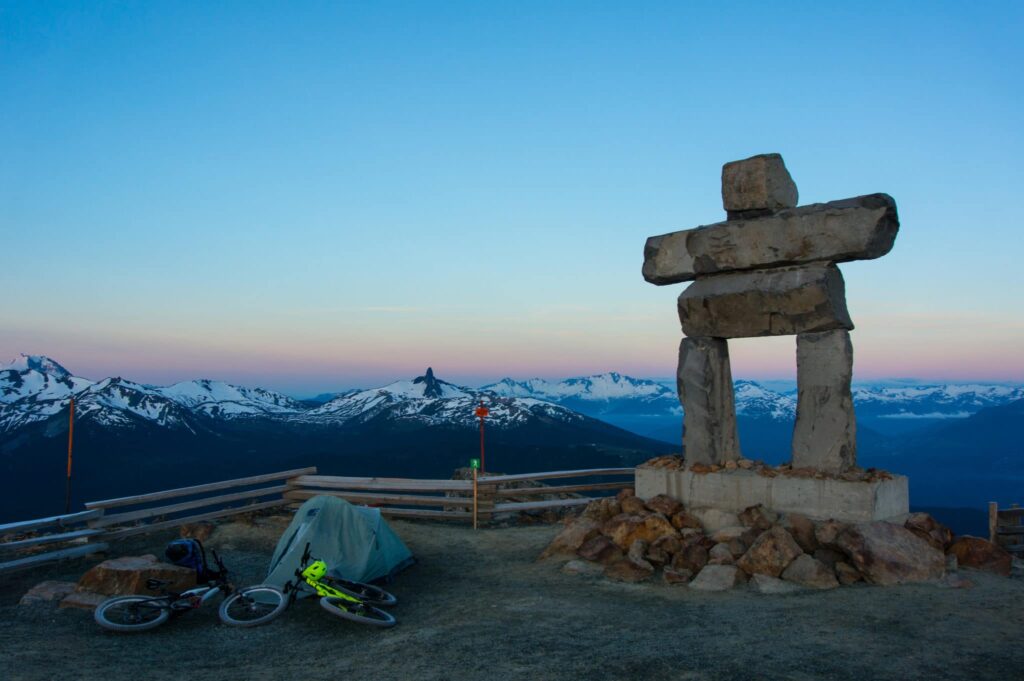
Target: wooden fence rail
pixel 45 540
pixel 1006 527
pixel 90 531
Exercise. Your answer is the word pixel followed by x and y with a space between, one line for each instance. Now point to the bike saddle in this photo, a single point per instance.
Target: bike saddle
pixel 156 584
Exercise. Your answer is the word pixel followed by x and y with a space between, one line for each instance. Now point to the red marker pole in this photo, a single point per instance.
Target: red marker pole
pixel 482 412
pixel 71 437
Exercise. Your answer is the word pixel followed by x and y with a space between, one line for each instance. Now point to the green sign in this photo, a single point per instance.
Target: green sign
pixel 474 463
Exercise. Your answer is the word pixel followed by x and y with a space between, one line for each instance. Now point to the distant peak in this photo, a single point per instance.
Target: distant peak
pixel 431 386
pixel 40 363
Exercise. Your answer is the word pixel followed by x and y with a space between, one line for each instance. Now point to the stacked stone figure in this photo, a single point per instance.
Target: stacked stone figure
pixel 770 270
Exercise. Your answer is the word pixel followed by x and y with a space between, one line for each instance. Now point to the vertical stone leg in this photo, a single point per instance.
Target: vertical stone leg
pixel 704 380
pixel 825 436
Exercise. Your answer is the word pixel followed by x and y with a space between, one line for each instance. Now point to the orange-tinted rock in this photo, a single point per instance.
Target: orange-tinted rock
pixel 602 509
pixel 802 529
pixel 890 554
pixel 847 574
pixel 929 529
pixel 47 592
pixel 770 554
pixel 629 570
pixel 624 529
pixel 672 576
pixel 981 554
pixel 827 532
pixel 201 531
pixel 665 505
pixel 682 519
pixel 129 575
pixel 599 549
pixel 692 557
pixel 82 600
pixel 633 506
pixel 757 517
pixel 572 537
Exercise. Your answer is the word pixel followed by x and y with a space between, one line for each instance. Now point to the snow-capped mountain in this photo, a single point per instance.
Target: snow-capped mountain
pixel 931 401
pixel 598 395
pixel 755 401
pixel 35 388
pixel 429 400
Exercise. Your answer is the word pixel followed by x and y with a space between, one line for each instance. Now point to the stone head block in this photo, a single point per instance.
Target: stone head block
pixel 759 183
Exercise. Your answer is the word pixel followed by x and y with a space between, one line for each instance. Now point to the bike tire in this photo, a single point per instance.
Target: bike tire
pixel 356 611
pixel 367 593
pixel 240 609
pixel 106 614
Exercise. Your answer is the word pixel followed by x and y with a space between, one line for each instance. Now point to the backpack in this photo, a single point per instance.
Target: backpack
pixel 189 553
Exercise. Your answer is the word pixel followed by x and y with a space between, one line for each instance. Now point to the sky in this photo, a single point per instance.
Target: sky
pixel 314 196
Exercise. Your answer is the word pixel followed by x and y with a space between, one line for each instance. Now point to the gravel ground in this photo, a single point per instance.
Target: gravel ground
pixel 477 606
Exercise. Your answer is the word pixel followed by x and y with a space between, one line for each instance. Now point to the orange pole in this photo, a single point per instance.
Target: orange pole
pixel 71 436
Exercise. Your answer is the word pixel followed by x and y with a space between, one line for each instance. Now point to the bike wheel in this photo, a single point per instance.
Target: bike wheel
pixel 131 613
pixel 367 593
pixel 357 611
pixel 252 606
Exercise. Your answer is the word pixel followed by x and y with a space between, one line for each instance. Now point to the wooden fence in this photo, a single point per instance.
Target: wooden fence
pixel 79 534
pixel 453 499
pixel 1006 527
pixel 45 540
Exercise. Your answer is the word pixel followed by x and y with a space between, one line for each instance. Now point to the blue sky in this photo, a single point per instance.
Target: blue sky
pixel 320 195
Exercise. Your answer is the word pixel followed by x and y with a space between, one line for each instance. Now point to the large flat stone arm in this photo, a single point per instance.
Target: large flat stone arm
pixel 861 228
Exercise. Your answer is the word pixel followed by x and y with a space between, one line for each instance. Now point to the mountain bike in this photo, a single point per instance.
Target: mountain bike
pixel 246 607
pixel 354 601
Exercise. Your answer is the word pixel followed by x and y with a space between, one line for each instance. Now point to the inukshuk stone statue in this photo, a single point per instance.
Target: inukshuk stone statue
pixel 770 270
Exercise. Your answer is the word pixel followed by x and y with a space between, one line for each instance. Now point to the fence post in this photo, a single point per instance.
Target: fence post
pixel 993 521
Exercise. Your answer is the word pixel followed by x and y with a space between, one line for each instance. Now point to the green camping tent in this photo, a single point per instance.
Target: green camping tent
pixel 354 541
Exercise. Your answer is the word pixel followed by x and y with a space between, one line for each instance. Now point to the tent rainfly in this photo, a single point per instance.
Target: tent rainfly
pixel 355 542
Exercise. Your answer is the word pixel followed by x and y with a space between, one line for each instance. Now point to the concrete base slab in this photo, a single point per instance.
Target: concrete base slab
pixel 735 490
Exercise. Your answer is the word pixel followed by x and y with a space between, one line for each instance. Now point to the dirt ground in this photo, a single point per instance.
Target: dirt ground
pixel 477 606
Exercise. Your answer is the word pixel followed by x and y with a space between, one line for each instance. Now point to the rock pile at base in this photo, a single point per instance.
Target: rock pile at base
pixel 630 539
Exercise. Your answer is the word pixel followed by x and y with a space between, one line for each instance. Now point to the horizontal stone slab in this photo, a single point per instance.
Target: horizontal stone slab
pixel 733 491
pixel 861 228
pixel 778 302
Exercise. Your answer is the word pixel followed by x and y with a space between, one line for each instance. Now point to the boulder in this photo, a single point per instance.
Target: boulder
pixel 572 537
pixel 713 520
pixel 692 557
pixel 929 529
pixel 886 553
pixel 809 572
pixel 128 575
pixel 773 585
pixel 779 302
pixel 581 567
pixel 981 554
pixel 728 533
pixel 860 228
pixel 720 555
pixel 825 436
pixel 704 381
pixel 633 505
pixel 847 574
pixel 637 550
pixel 827 532
pixel 82 600
pixel 602 509
pixel 758 517
pixel 716 578
pixel 673 577
pixel 683 520
pixel 737 547
pixel 770 554
pixel 662 550
pixel 629 570
pixel 802 529
pixel 599 549
pixel 829 557
pixel 625 492
pixel 665 505
pixel 758 183
pixel 624 529
pixel 47 592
